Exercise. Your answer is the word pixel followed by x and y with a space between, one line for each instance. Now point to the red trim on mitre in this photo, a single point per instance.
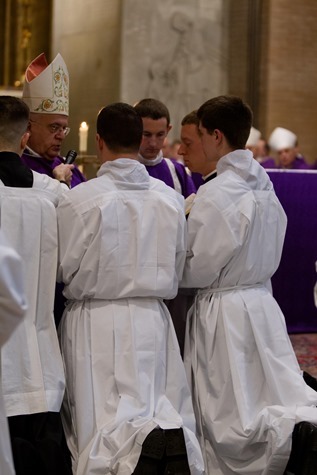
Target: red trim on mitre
pixel 36 67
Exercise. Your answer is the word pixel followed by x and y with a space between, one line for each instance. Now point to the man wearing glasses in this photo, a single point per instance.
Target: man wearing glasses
pixel 46 93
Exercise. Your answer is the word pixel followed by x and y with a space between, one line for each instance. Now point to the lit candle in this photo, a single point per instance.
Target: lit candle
pixel 83 137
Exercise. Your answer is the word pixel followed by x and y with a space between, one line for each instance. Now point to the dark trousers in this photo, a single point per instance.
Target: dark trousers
pixel 39 445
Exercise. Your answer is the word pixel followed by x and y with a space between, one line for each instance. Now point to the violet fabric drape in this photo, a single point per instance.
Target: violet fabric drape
pixel 293 283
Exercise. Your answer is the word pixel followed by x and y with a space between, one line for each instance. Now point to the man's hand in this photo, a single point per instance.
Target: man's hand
pixel 63 173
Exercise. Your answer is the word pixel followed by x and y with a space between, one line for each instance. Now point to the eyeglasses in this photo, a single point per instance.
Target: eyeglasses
pixel 54 128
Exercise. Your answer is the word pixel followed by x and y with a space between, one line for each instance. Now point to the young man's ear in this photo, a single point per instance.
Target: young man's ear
pixel 168 128
pixel 218 135
pixel 24 139
pixel 100 142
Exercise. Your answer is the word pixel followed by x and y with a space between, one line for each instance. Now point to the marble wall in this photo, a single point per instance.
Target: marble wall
pixel 175 51
pixel 180 51
pixel 130 49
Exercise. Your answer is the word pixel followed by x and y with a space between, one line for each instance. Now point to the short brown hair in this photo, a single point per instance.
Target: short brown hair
pixel 14 120
pixel 153 109
pixel 191 118
pixel 120 126
pixel 230 115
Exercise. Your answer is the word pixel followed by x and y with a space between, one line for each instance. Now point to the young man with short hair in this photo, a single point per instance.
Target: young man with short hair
pixel 12 309
pixel 247 386
pixel 33 378
pixel 192 150
pixel 156 125
pixel 122 251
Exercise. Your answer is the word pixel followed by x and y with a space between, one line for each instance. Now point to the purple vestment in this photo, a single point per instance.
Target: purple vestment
pixel 162 172
pixel 41 165
pixel 298 164
pixel 197 179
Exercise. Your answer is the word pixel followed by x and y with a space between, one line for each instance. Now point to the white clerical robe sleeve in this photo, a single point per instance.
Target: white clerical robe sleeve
pixel 12 299
pixel 211 244
pixel 73 239
pixel 181 246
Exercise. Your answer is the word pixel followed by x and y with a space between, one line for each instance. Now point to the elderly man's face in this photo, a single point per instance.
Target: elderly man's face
pixel 47 134
pixel 287 157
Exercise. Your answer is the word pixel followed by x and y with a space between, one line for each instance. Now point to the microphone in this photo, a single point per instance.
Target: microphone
pixel 70 157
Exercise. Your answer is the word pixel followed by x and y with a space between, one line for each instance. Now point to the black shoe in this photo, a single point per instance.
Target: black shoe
pixel 163 453
pixel 175 442
pixel 177 467
pixel 154 444
pixel 303 458
pixel 152 456
pixel 176 454
pixel 310 380
pixel 146 466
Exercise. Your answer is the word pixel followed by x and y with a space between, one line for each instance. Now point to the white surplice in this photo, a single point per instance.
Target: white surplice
pixel 122 250
pixel 247 387
pixel 32 368
pixel 12 310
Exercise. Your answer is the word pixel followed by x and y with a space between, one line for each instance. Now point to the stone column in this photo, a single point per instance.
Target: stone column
pixel 87 34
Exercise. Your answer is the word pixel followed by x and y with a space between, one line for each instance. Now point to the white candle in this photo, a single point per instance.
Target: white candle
pixel 83 137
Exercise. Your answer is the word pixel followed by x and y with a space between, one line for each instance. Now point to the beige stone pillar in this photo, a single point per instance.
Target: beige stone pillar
pixel 273 65
pixel 290 79
pixel 87 34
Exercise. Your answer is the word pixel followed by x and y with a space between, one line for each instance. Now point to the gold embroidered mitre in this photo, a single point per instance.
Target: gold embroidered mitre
pixel 46 86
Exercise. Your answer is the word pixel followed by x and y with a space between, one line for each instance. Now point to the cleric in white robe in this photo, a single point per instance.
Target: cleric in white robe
pixel 12 310
pixel 32 369
pixel 247 387
pixel 122 251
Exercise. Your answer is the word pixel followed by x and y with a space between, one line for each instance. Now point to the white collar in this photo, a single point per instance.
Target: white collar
pixel 209 174
pixel 28 149
pixel 151 163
